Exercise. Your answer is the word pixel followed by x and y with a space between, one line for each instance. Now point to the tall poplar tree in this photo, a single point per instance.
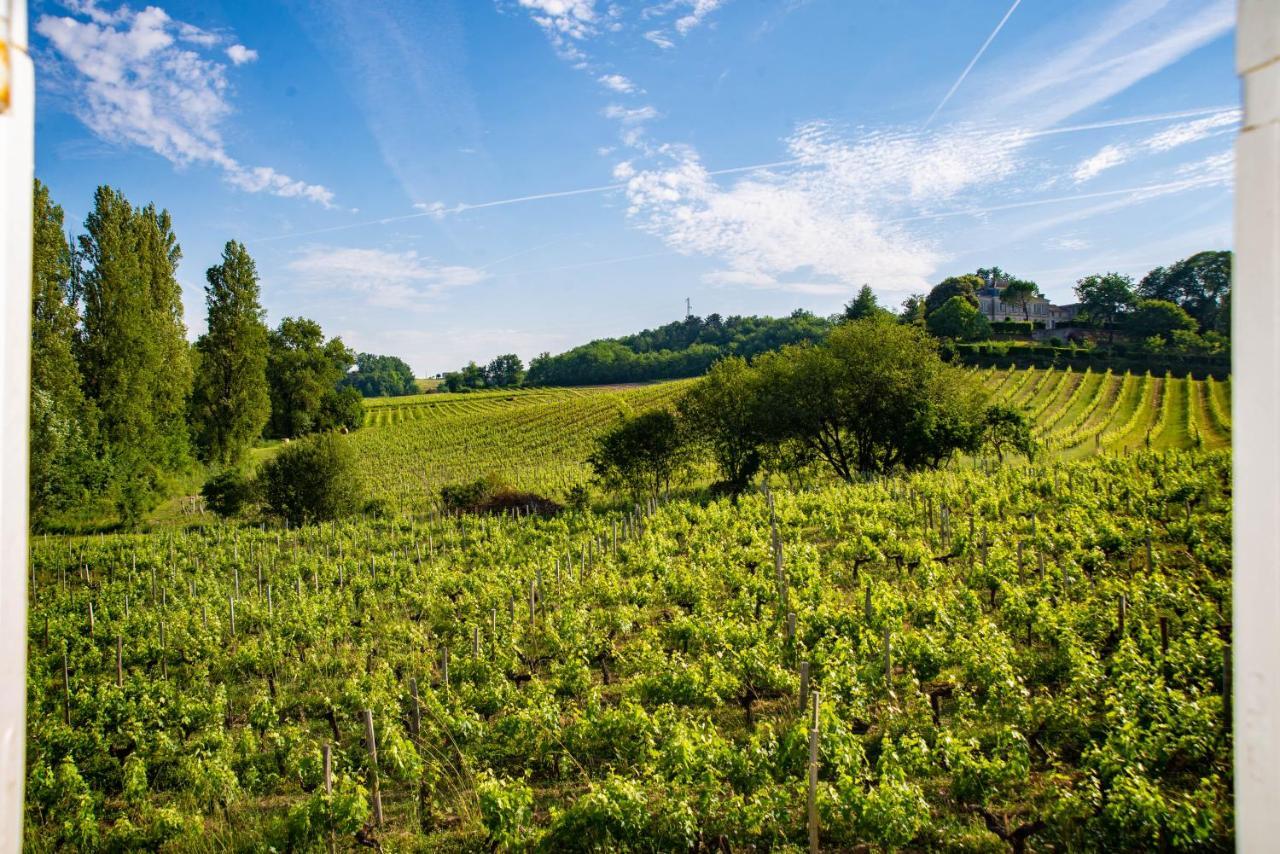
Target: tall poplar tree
pixel 231 402
pixel 133 350
pixel 61 459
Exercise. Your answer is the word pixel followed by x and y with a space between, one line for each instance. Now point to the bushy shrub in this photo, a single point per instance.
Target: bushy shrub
pixel 312 479
pixel 492 495
pixel 230 493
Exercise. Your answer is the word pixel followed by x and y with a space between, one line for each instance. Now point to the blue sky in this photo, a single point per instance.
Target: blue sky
pixel 453 179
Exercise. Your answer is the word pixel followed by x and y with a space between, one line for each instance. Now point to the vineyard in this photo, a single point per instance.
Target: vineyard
pixel 539 440
pixel 1031 658
pixel 984 658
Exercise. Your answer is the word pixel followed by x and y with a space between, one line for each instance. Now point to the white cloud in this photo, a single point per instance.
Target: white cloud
pixel 1168 139
pixel 575 19
pixel 1067 244
pixel 239 54
pixel 133 82
pixel 660 38
pixel 617 83
pixel 397 280
pixel 698 13
pixel 821 226
pixel 1107 157
pixel 1193 131
pixel 689 15
pixel 630 116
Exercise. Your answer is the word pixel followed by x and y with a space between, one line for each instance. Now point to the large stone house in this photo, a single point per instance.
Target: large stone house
pixel 1038 310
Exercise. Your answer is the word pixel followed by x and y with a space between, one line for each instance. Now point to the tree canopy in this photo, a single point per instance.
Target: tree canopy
pixel 304 370
pixel 960 320
pixel 381 376
pixel 231 402
pixel 876 397
pixel 966 287
pixel 1105 298
pixel 1200 285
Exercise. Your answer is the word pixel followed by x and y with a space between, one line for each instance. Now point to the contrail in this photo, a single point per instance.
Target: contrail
pixel 972 62
pixel 797 161
pixel 1187 184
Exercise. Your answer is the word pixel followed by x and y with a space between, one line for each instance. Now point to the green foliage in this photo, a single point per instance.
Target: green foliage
pixel 864 305
pixel 721 412
pixel 381 376
pixel 313 479
pixel 231 403
pixel 682 349
pixel 1160 318
pixel 230 493
pixel 132 349
pixel 641 454
pixel 506 807
pixel 303 372
pixel 1020 293
pixel 1200 285
pixel 341 409
pixel 876 397
pixel 960 320
pixel 1104 299
pixel 1008 429
pixel 965 287
pixel 63 466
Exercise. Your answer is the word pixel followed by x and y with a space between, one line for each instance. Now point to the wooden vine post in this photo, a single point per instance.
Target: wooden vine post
pixel 327 752
pixel 371 744
pixel 813 777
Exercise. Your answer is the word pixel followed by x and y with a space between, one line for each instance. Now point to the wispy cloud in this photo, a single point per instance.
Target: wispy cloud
pixel 1059 72
pixel 1172 137
pixel 685 16
pixel 396 280
pixel 141 78
pixel 823 226
pixel 617 83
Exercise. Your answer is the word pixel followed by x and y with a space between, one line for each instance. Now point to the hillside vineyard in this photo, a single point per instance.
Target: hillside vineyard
pixel 984 658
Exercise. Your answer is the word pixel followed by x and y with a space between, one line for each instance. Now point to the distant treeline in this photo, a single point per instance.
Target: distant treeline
pixel 686 348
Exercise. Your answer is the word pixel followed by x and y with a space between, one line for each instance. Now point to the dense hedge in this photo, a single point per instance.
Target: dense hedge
pixel 1119 358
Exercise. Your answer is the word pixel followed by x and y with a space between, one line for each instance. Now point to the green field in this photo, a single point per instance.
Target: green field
pixel 538 440
pixel 1014 658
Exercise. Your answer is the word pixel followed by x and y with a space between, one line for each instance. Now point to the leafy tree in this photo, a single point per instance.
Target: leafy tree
pixel 1159 318
pixel 62 421
pixel 966 287
pixel 864 305
pixel 1201 285
pixel 1105 298
pixel 231 402
pixel 1021 293
pixel 230 492
pixel 721 412
pixel 504 371
pixel 303 370
pixel 341 409
pixel 641 454
pixel 959 319
pixel 313 479
pixel 686 348
pixel 913 310
pixel 132 350
pixel 874 398
pixel 381 376
pixel 1008 429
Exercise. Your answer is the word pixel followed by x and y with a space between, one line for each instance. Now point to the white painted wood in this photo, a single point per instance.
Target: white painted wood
pixel 1256 431
pixel 16 173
